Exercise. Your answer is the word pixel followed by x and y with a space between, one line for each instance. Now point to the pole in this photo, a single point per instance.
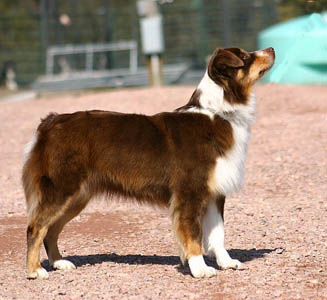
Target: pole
pixel 44 27
pixel 152 40
pixel 226 24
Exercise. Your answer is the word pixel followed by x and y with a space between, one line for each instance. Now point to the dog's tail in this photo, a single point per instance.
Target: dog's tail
pixel 37 184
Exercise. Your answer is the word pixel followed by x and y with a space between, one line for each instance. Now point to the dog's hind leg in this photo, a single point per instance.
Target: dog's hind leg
pixel 77 204
pixel 213 231
pixel 36 232
pixel 48 212
pixel 187 221
pixel 40 218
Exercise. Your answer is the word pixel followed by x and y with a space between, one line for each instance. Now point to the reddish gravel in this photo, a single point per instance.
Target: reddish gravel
pixel 276 225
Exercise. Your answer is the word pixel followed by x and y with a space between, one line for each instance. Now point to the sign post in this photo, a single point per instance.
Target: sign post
pixel 152 39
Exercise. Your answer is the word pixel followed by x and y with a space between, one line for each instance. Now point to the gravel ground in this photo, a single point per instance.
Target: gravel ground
pixel 276 225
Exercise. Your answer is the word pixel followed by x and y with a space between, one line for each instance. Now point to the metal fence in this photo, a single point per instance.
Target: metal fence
pixel 192 30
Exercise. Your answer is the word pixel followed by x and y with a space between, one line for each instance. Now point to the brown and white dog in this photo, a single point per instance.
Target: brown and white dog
pixel 187 160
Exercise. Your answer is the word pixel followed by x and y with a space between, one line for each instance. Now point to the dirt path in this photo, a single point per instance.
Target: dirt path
pixel 277 225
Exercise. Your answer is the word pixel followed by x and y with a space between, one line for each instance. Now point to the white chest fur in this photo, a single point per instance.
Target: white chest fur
pixel 229 170
pixel 227 176
pixel 228 173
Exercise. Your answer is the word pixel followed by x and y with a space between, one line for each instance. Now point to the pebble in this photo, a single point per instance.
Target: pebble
pixel 284 191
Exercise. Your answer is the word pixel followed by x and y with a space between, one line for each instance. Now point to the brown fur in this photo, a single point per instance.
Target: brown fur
pixel 165 159
pixel 148 158
pixel 193 102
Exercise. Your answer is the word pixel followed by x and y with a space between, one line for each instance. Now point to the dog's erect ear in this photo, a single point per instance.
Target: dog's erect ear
pixel 224 58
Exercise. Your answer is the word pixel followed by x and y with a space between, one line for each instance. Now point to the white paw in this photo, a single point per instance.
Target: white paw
pixel 199 268
pixel 231 264
pixel 39 273
pixel 204 272
pixel 63 264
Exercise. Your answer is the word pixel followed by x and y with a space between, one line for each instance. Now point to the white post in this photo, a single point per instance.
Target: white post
pixel 155 65
pixel 89 60
pixel 133 59
pixel 152 39
pixel 49 63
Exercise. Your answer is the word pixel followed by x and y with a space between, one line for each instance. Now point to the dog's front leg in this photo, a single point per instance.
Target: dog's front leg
pixel 187 222
pixel 213 231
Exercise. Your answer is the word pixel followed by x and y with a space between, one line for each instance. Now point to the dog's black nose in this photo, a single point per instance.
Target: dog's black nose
pixel 270 50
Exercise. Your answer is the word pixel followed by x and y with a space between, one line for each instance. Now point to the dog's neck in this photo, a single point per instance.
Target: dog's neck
pixel 208 98
pixel 212 95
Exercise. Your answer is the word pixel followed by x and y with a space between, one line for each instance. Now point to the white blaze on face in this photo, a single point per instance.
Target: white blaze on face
pixel 261 53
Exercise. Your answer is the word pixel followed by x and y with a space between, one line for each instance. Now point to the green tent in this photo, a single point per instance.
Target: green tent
pixel 301 50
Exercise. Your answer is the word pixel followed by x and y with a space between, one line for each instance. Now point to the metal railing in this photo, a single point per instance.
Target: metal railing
pixel 89 50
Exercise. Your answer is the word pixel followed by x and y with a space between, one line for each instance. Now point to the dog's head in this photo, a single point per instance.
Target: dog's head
pixel 236 70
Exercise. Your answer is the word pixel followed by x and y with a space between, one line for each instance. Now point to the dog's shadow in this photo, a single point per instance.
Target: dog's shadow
pixel 130 259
